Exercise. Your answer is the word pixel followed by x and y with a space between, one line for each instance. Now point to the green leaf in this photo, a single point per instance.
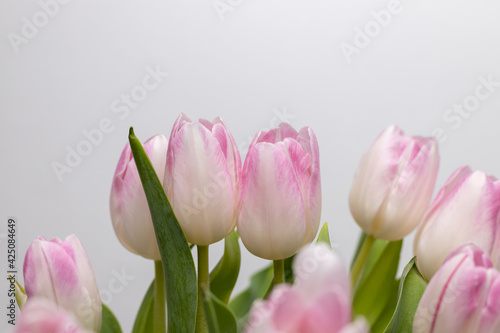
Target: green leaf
pixel 259 284
pixel 384 319
pixel 411 288
pixel 109 322
pixel 373 290
pixel 219 318
pixel 324 235
pixel 178 265
pixel 145 316
pixel 378 247
pixel 223 277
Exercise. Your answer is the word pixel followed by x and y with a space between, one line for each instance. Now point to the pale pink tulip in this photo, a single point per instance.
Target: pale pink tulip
pixel 281 192
pixel 465 210
pixel 60 271
pixel 40 315
pixel 129 207
pixel 393 185
pixel 202 179
pixel 462 297
pixel 319 302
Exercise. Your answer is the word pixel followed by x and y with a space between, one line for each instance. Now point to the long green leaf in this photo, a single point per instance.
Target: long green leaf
pixel 223 277
pixel 385 317
pixel 374 290
pixel 220 319
pixel 145 316
pixel 259 284
pixel 411 288
pixel 178 265
pixel 109 322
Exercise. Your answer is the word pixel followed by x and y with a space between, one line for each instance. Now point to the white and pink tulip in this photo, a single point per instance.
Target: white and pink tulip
pixel 319 301
pixel 462 297
pixel 202 179
pixel 466 209
pixel 393 185
pixel 60 272
pixel 280 207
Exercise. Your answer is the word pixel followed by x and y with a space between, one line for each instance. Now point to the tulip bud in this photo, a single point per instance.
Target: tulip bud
pixel 319 302
pixel 462 297
pixel 60 271
pixel 465 210
pixel 43 316
pixel 202 179
pixel 129 207
pixel 280 207
pixel 393 185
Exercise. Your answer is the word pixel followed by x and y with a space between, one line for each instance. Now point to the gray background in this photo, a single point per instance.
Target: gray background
pixel 251 65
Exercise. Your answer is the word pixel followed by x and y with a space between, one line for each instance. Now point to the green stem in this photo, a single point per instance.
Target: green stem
pixel 160 325
pixel 203 284
pixel 279 271
pixel 360 260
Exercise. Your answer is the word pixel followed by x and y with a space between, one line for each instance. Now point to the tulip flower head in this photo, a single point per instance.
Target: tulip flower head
pixel 319 302
pixel 280 205
pixel 202 179
pixel 43 316
pixel 129 207
pixel 393 185
pixel 60 271
pixel 465 210
pixel 462 297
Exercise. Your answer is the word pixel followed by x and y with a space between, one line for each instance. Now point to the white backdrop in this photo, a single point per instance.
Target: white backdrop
pixel 347 69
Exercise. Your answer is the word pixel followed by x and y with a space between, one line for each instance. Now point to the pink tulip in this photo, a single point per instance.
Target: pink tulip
pixel 281 192
pixel 319 302
pixel 43 316
pixel 462 297
pixel 60 271
pixel 465 210
pixel 202 179
pixel 393 185
pixel 129 208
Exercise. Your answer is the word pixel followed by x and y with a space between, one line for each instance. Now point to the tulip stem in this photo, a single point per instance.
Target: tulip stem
pixel 279 271
pixel 160 325
pixel 203 284
pixel 360 260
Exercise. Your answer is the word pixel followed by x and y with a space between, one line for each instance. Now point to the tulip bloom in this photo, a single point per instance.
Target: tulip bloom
pixel 462 297
pixel 393 185
pixel 281 192
pixel 465 210
pixel 202 179
pixel 129 207
pixel 60 271
pixel 319 302
pixel 43 316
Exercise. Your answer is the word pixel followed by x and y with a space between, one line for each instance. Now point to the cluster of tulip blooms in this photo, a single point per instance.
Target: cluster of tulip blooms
pixel 170 195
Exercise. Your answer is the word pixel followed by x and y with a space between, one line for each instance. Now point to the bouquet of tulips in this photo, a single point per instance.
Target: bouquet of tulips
pixel 192 190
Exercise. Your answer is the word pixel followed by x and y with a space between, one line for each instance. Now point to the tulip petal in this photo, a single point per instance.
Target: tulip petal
pixel 272 220
pixel 470 210
pixel 202 189
pixel 129 208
